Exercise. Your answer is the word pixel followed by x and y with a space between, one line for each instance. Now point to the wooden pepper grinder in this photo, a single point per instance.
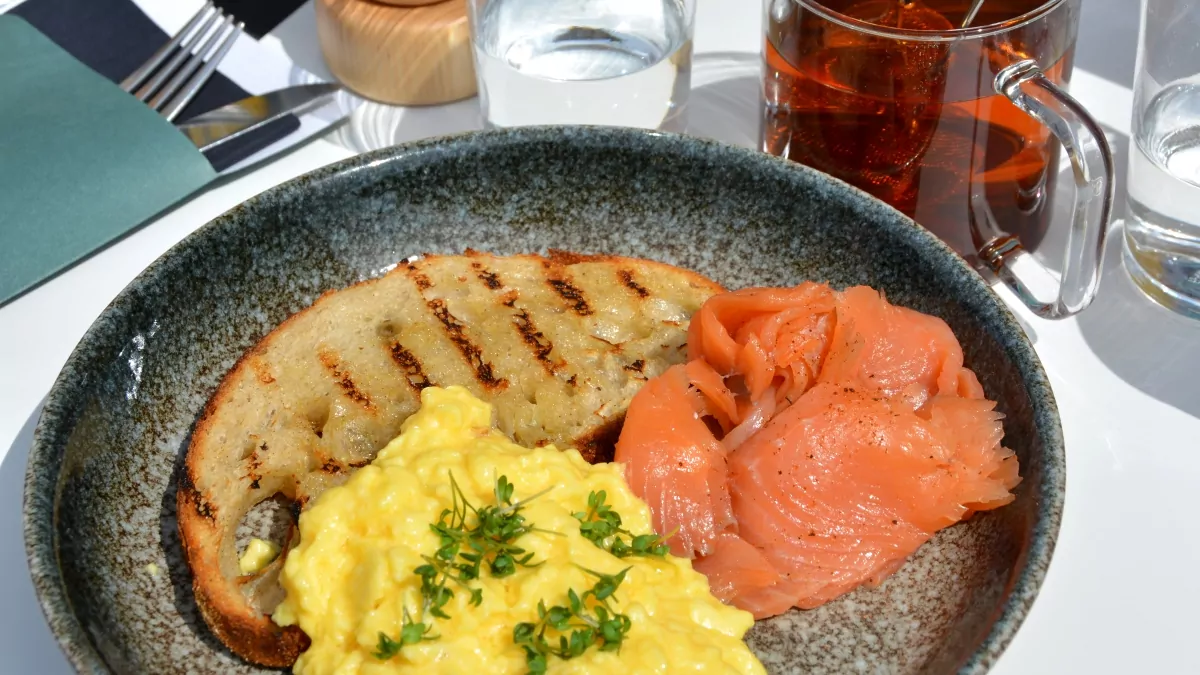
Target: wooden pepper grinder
pixel 401 52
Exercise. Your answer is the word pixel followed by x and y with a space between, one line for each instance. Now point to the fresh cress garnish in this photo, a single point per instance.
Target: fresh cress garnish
pixel 602 525
pixel 586 620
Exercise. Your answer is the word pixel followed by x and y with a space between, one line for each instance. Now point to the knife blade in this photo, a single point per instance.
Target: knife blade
pixel 226 123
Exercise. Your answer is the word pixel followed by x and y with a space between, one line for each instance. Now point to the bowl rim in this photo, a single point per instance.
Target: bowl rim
pixel 44 464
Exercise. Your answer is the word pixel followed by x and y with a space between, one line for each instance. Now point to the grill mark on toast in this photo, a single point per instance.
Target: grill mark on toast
pixel 626 277
pixel 408 362
pixel 558 279
pixel 537 341
pixel 489 278
pixel 456 331
pixel 571 294
pixel 330 360
pixel 419 278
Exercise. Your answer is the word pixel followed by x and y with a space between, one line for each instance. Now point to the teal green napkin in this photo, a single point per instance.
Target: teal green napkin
pixel 81 162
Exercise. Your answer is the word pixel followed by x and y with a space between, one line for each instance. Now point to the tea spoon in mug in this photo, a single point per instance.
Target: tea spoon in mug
pixel 972 12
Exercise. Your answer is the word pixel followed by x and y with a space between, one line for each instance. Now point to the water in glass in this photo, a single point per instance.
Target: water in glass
pixel 611 62
pixel 1162 231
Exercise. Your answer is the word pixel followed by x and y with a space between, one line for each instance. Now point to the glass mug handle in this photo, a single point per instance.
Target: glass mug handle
pixel 1030 90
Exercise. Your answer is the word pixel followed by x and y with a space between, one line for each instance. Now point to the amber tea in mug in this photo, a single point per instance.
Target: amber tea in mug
pixel 891 97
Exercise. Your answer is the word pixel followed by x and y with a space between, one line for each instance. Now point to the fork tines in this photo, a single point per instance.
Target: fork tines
pixel 190 57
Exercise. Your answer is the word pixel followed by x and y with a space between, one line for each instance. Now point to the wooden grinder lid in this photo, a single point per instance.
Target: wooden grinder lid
pixel 401 52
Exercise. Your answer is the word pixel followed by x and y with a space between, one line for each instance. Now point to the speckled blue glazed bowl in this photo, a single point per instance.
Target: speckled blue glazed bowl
pixel 99 496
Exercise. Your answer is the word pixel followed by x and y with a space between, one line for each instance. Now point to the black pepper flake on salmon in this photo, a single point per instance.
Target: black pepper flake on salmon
pixel 626 277
pixel 484 371
pixel 410 365
pixel 341 376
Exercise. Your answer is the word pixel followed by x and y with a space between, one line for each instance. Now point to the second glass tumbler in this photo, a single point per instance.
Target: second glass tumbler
pixel 609 62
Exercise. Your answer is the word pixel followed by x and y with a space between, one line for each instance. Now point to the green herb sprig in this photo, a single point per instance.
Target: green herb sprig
pixel 602 525
pixel 410 634
pixel 588 619
pixel 465 548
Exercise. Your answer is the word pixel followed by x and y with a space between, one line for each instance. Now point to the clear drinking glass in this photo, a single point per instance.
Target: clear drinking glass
pixel 608 62
pixel 1162 224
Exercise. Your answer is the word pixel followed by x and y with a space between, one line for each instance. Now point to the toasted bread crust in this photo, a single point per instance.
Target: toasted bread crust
pixel 303 408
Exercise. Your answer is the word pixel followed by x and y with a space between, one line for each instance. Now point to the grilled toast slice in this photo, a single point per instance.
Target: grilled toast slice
pixel 558 344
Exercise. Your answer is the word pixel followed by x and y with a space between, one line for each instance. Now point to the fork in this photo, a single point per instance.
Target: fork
pixel 189 64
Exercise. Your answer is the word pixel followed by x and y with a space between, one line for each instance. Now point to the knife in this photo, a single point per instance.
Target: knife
pixel 226 123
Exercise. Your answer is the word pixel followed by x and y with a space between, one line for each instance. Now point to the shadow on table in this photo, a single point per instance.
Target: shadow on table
pixel 298 34
pixel 25 639
pixel 1050 250
pixel 724 103
pixel 1154 350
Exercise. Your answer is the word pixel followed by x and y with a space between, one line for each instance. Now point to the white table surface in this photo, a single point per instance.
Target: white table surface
pixel 1121 592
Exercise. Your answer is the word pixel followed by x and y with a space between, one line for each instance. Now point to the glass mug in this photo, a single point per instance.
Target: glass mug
pixel 955 127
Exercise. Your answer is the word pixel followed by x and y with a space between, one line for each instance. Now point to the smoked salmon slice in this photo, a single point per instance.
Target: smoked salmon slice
pixel 678 467
pixel 894 350
pixel 740 574
pixel 814 441
pixel 845 482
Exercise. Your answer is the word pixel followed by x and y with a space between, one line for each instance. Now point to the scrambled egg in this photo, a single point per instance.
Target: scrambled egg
pixel 351 576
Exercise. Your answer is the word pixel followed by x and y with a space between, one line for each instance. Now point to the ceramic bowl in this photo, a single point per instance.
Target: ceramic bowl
pixel 100 491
